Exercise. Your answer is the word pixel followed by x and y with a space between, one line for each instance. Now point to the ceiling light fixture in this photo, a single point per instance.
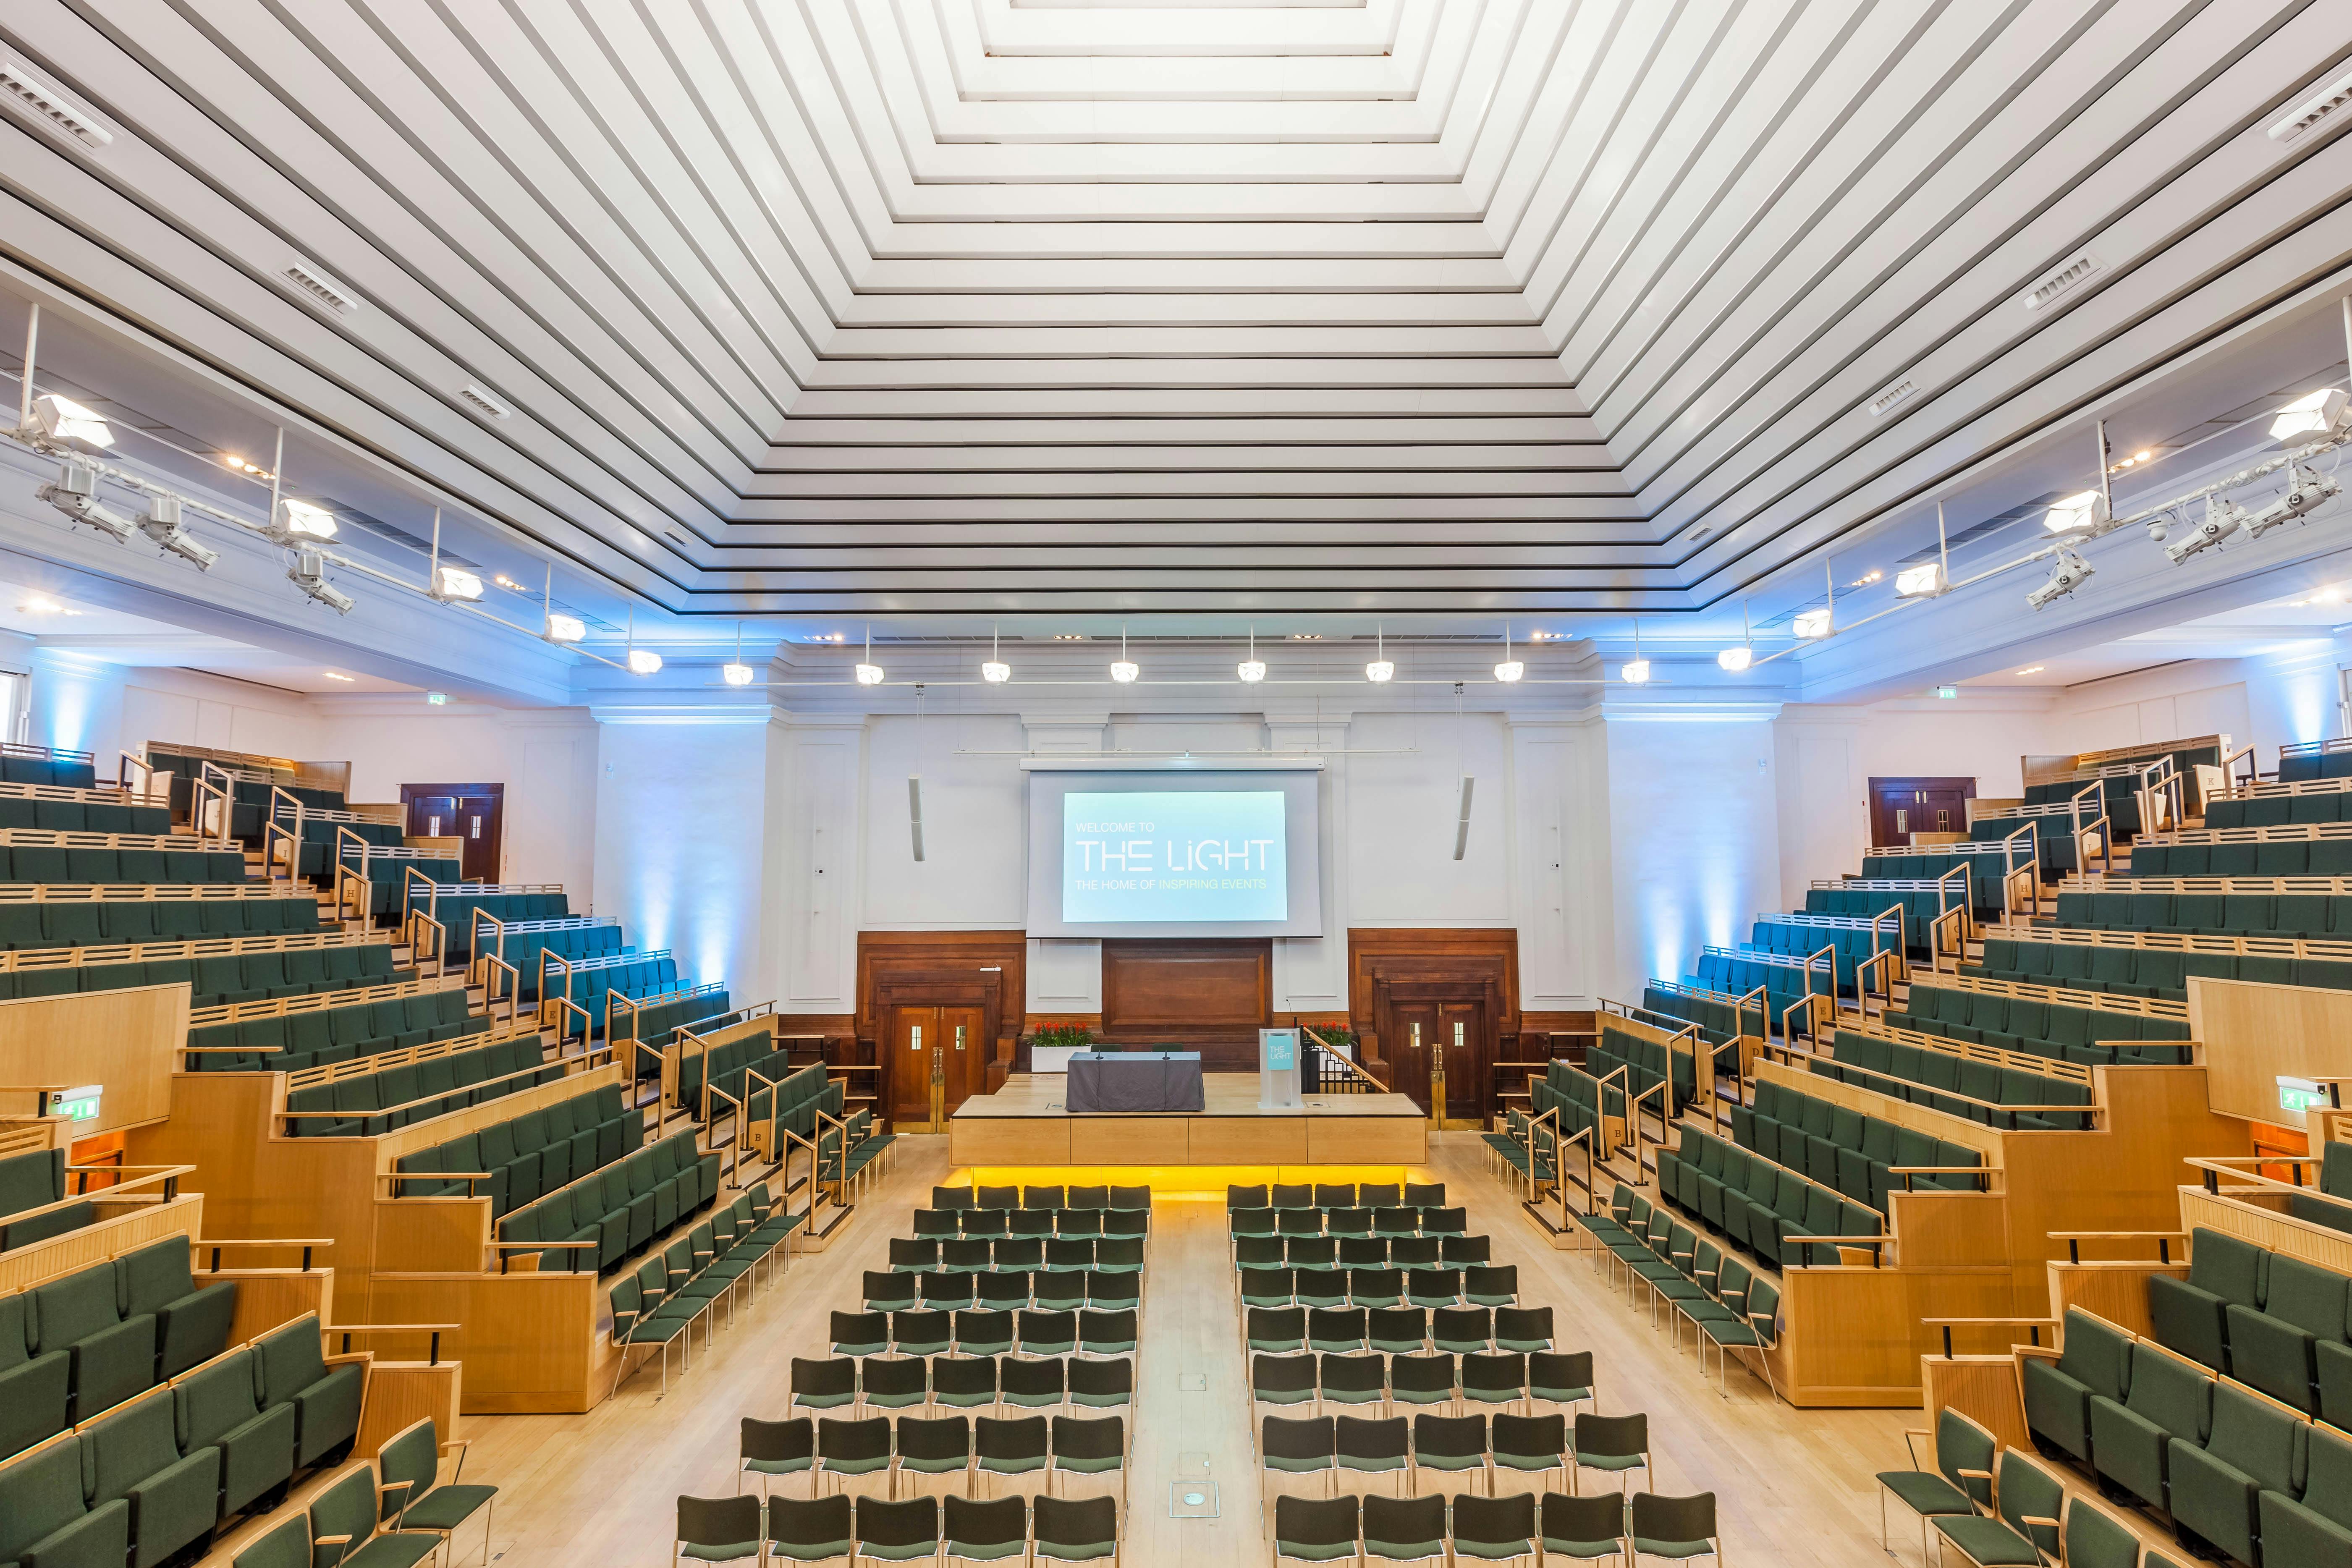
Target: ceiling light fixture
pixel 450 584
pixel 1510 669
pixel 162 525
pixel 75 493
pixel 1924 580
pixel 1124 670
pixel 1636 671
pixel 2307 489
pixel 2074 513
pixel 1380 672
pixel 40 606
pixel 1735 660
pixel 332 675
pixel 2223 517
pixel 59 418
pixel 1812 625
pixel 1069 636
pixel 644 661
pixel 2068 573
pixel 869 673
pixel 562 628
pixel 309 573
pixel 738 673
pixel 996 672
pixel 1253 668
pixel 300 520
pixel 2033 669
pixel 2321 415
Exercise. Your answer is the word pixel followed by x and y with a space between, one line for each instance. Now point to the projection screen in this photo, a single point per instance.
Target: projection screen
pixel 1147 853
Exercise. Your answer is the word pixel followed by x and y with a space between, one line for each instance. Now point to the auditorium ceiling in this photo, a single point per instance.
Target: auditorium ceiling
pixel 946 310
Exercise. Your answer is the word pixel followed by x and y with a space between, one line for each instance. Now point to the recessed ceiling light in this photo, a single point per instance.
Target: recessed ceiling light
pixel 2032 669
pixel 1069 636
pixel 1306 636
pixel 1866 579
pixel 39 606
pixel 331 674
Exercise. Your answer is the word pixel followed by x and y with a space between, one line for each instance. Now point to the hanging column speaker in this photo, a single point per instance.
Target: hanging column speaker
pixel 915 812
pixel 1461 823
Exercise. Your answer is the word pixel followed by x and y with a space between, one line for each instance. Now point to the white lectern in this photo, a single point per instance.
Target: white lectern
pixel 1277 1070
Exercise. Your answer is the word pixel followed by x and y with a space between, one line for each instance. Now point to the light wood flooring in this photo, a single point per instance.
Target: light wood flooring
pixel 1794 1487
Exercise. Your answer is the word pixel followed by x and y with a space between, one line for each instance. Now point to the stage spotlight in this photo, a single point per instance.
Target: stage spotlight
pixel 1735 660
pixel 564 628
pixel 309 573
pixel 162 526
pixel 2307 490
pixel 75 493
pixel 738 674
pixel 299 520
pixel 644 661
pixel 1636 672
pixel 2222 518
pixel 1813 625
pixel 2070 573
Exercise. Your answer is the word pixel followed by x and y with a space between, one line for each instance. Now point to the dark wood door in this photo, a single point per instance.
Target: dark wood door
pixel 471 813
pixel 923 1041
pixel 1469 1061
pixel 1900 807
pixel 1411 1037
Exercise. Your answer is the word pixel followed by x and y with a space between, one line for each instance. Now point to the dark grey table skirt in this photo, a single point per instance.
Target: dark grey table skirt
pixel 1101 1081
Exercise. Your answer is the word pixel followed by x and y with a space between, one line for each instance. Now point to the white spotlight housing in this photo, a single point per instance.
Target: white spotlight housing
pixel 2070 573
pixel 59 418
pixel 2222 518
pixel 1379 671
pixel 449 583
pixel 1734 659
pixel 644 661
pixel 1813 625
pixel 2315 417
pixel 564 628
pixel 162 526
pixel 1123 669
pixel 738 674
pixel 75 493
pixel 1510 669
pixel 993 670
pixel 1636 672
pixel 869 673
pixel 1921 582
pixel 2075 513
pixel 298 521
pixel 309 573
pixel 2307 489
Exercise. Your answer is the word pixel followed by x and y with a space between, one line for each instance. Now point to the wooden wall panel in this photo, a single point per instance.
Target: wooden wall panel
pixel 2116 1292
pixel 402 1393
pixel 109 1237
pixel 269 1296
pixel 2265 1226
pixel 1481 963
pixel 984 969
pixel 1984 1388
pixel 126 1040
pixel 1212 997
pixel 531 1341
pixel 2252 1035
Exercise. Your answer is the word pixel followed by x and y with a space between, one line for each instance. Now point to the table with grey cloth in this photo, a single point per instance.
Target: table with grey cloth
pixel 1133 1080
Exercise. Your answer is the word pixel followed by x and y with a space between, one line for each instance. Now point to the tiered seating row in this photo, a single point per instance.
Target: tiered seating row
pixel 511 1163
pixel 1992 1092
pixel 2288 858
pixel 1728 1304
pixel 2056 1032
pixel 364 1104
pixel 76 1345
pixel 1761 1205
pixel 51 920
pixel 1865 1158
pixel 604 1214
pixel 2264 1318
pixel 660 1304
pixel 18 811
pixel 28 1180
pixel 145 1482
pixel 2157 973
pixel 330 1036
pixel 2215 913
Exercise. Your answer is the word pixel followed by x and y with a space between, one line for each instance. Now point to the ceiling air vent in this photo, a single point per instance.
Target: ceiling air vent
pixel 2337 95
pixel 322 288
pixel 2061 283
pixel 1887 399
pixel 29 91
pixel 1700 535
pixel 482 402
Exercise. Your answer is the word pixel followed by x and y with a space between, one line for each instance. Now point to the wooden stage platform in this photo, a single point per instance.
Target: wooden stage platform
pixel 1023 1124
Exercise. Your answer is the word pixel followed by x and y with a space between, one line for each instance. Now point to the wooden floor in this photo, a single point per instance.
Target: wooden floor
pixel 1222 1094
pixel 1795 1487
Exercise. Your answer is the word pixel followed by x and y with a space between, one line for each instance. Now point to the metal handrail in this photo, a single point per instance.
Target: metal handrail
pixel 494 966
pixel 1352 1071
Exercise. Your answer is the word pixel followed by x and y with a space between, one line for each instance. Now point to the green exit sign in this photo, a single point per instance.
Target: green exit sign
pixel 77 1104
pixel 2300 1095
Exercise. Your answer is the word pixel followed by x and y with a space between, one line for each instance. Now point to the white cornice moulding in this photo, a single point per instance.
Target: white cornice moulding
pixel 1711 713
pixel 1113 762
pixel 679 713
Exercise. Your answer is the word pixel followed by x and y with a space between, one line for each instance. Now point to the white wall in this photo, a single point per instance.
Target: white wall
pixel 680 836
pixel 1693 838
pixel 108 708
